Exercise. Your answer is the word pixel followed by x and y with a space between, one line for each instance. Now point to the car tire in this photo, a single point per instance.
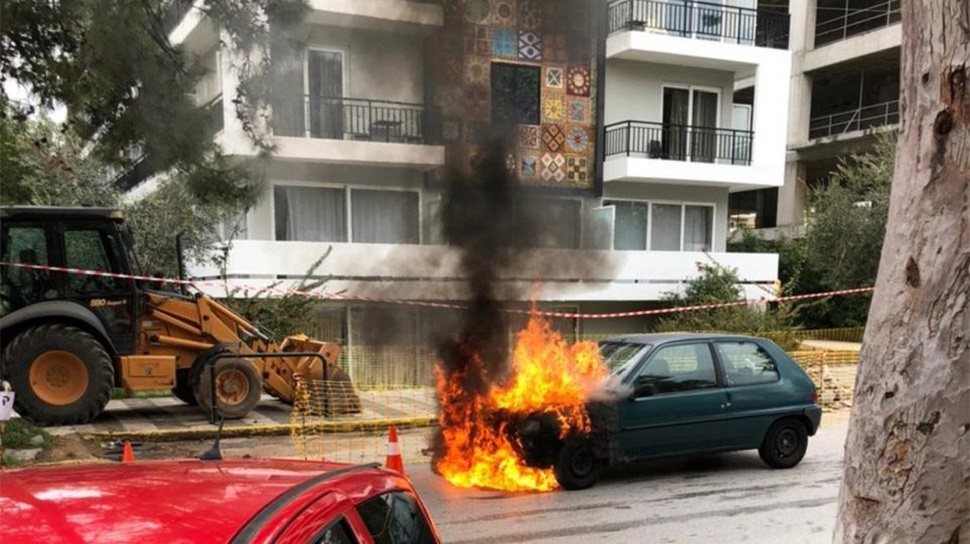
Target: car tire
pixel 238 388
pixel 61 374
pixel 576 465
pixel 784 444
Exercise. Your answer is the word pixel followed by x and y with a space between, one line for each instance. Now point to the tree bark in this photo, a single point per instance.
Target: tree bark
pixel 907 455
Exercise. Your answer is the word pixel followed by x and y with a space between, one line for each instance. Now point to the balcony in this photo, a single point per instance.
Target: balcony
pixel 430 272
pixel 651 140
pixel 853 20
pixel 644 151
pixel 700 20
pixel 359 132
pixel 835 125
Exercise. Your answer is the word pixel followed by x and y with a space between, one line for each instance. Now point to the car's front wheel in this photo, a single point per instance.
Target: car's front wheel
pixel 576 465
pixel 784 444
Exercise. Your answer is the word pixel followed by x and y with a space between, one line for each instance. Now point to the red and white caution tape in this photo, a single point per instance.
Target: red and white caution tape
pixel 428 304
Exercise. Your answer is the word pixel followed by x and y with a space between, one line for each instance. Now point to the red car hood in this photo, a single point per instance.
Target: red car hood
pixel 171 501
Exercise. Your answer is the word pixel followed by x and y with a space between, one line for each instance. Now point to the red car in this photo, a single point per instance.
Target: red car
pixel 245 501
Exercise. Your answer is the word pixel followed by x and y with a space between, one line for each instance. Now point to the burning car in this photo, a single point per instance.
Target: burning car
pixel 678 394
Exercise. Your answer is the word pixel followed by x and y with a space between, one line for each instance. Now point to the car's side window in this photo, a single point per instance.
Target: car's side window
pixel 395 518
pixel 677 368
pixel 336 533
pixel 746 363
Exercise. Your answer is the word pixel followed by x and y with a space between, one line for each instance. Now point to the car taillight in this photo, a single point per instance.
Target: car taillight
pixel 814 396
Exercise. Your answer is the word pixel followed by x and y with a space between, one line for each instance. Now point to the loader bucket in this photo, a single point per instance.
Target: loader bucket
pixel 330 385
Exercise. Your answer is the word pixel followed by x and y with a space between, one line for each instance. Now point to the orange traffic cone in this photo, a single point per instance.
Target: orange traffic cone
pixel 127 454
pixel 394 461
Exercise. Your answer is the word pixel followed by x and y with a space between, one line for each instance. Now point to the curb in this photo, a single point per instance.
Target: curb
pixel 172 435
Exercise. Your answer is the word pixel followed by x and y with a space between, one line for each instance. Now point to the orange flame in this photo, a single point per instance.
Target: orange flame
pixel 548 375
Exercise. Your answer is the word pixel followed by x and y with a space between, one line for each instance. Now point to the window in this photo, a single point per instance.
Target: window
pixel 319 214
pixel 22 286
pixel 746 363
pixel 620 356
pixel 515 94
pixel 562 220
pixel 631 225
pixel 665 227
pixel 385 217
pixel 680 368
pixel 395 518
pixel 91 249
pixel 335 533
pixel 698 228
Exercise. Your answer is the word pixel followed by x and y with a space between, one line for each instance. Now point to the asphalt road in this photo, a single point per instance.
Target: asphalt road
pixel 726 499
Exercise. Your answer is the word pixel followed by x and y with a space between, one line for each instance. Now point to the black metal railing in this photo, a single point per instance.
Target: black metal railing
pixel 855 21
pixel 701 20
pixel 886 113
pixel 342 118
pixel 651 140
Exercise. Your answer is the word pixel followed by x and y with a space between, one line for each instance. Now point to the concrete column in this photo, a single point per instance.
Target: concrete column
pixel 791 196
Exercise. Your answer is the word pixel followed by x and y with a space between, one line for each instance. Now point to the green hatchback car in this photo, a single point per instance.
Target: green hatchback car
pixel 683 394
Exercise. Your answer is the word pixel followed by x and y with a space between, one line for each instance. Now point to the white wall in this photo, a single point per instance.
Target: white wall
pixel 634 90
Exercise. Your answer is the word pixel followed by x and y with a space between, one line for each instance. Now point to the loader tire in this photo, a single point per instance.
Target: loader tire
pixel 61 374
pixel 238 388
pixel 184 389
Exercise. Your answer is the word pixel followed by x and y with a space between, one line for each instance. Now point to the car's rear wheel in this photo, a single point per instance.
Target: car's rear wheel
pixel 576 465
pixel 784 444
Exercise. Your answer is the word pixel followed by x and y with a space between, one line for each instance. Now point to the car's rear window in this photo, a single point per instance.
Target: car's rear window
pixel 395 518
pixel 620 356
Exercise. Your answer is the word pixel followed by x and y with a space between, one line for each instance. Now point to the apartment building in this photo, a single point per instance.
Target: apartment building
pixel 626 126
pixel 844 88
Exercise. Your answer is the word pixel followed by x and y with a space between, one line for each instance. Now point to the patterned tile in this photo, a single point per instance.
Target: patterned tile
pixel 577 170
pixel 530 46
pixel 476 11
pixel 503 13
pixel 579 51
pixel 553 108
pixel 512 164
pixel 477 105
pixel 476 40
pixel 505 43
pixel 477 70
pixel 552 167
pixel 577 139
pixel 452 101
pixel 554 78
pixel 529 166
pixel 577 109
pixel 577 81
pixel 553 137
pixel 451 66
pixel 554 47
pixel 530 15
pixel 451 130
pixel 529 136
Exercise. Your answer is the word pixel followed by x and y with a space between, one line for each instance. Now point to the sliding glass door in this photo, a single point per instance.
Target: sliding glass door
pixel 690 119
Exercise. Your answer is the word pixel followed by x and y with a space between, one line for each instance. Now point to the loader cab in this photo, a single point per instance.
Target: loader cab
pixel 80 238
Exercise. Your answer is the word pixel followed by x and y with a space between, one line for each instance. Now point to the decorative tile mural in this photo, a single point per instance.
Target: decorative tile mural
pixel 552 139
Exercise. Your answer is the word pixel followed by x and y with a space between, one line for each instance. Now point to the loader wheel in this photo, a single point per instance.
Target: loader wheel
pixel 184 390
pixel 238 388
pixel 61 374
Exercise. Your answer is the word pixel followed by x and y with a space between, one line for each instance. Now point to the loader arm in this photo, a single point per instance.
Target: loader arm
pixel 186 327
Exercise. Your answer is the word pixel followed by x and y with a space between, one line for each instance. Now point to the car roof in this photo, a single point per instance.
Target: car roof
pixel 667 337
pixel 171 501
pixel 56 212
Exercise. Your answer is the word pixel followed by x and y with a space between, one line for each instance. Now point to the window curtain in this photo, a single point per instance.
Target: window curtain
pixel 665 227
pixel 287 92
pixel 326 88
pixel 631 226
pixel 384 217
pixel 698 228
pixel 704 119
pixel 675 120
pixel 311 214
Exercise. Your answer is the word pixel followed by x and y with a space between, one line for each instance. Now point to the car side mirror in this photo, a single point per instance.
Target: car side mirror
pixel 644 390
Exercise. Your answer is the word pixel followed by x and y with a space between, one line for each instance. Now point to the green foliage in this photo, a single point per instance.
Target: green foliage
pixel 721 284
pixel 18 433
pixel 278 315
pixel 125 86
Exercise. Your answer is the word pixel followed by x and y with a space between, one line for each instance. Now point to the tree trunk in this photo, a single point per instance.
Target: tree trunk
pixel 907 455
